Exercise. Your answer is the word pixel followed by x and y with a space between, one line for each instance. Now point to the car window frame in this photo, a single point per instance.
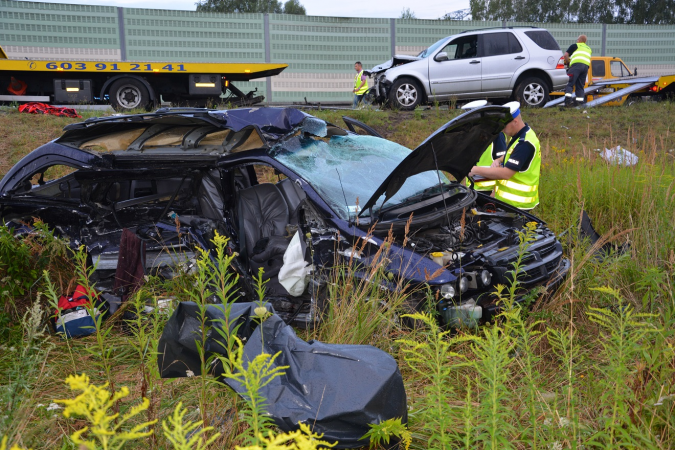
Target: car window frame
pixel 613 64
pixel 599 63
pixel 483 45
pixel 458 38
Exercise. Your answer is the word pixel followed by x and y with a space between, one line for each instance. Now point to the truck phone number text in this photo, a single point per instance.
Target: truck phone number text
pixel 132 67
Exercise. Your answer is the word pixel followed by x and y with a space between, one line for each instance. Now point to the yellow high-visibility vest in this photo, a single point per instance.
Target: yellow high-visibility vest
pixel 522 189
pixel 581 55
pixel 357 82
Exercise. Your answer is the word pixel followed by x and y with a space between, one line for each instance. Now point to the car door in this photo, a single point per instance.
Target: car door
pixel 502 56
pixel 456 69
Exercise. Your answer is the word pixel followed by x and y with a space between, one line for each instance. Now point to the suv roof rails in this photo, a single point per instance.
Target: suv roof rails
pixel 497 28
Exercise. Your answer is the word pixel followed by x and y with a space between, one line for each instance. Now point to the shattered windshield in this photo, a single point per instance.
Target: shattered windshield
pixel 346 170
pixel 433 48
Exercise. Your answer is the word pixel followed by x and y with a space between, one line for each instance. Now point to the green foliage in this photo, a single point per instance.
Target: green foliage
pixel 22 261
pixel 383 432
pixel 602 11
pixel 362 306
pixel 3 445
pixel 251 6
pixel 294 7
pixel 495 427
pixel 302 439
pixel 186 435
pixel 253 376
pixel 213 286
pixel 105 430
pixel 433 361
pixel 24 369
pixel 625 329
pixel 407 13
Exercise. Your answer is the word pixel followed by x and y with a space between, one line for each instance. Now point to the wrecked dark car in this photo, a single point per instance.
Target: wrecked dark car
pixel 176 177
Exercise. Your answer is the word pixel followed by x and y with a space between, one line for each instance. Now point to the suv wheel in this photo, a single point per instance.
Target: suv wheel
pixel 532 92
pixel 405 94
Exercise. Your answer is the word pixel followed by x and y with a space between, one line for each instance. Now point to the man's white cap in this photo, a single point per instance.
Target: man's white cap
pixel 514 108
pixel 476 104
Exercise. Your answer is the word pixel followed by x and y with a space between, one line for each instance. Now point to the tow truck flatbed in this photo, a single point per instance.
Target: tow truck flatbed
pixel 129 84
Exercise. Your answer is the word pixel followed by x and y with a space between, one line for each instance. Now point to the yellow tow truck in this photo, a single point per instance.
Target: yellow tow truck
pixel 611 83
pixel 129 85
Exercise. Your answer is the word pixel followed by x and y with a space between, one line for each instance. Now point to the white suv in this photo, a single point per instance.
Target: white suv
pixel 523 63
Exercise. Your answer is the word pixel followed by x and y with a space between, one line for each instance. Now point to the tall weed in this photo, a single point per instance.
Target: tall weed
pixel 430 357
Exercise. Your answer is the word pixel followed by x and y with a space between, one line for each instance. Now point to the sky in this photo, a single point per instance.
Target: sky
pixel 426 9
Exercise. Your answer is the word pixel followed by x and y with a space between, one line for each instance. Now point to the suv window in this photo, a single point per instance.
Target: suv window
pixel 463 47
pixel 495 44
pixel 514 44
pixel 543 39
pixel 598 68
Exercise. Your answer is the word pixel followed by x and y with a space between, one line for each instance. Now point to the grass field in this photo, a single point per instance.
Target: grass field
pixel 593 366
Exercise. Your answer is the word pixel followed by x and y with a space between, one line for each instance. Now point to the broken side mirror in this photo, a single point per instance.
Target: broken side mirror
pixel 441 56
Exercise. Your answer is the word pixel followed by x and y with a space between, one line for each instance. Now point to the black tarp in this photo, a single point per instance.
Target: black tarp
pixel 337 389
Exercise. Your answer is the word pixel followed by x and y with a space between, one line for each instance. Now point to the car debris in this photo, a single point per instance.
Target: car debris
pixel 174 178
pixel 337 389
pixel 619 156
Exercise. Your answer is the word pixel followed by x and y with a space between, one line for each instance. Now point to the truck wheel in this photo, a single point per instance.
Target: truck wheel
pixel 405 94
pixel 532 92
pixel 127 94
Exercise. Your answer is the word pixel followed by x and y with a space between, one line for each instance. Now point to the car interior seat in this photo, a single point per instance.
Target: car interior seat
pixel 263 215
pixel 294 196
pixel 471 51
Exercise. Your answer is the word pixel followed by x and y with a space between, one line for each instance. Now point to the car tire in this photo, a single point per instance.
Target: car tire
pixel 405 94
pixel 532 92
pixel 127 94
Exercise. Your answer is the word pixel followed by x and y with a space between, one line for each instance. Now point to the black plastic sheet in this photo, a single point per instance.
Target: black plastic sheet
pixel 337 389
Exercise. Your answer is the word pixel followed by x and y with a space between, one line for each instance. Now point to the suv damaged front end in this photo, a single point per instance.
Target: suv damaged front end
pixel 381 84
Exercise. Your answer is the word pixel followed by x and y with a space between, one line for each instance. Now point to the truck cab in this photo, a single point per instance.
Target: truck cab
pixel 607 68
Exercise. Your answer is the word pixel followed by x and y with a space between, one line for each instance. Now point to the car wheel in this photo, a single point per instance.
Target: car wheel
pixel 405 94
pixel 532 92
pixel 127 94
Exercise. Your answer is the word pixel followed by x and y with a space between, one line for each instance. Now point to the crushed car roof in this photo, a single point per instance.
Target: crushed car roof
pixel 186 128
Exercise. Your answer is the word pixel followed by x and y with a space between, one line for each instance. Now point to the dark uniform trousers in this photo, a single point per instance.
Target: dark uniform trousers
pixel 577 73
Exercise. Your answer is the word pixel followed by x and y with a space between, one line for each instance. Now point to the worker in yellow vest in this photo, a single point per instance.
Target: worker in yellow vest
pixel 495 150
pixel 516 172
pixel 578 58
pixel 360 84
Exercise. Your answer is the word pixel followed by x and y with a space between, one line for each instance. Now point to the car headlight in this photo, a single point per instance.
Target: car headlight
pixel 463 284
pixel 485 277
pixel 447 291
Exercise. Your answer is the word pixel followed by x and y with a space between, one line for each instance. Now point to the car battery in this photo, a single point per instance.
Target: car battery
pixel 73 91
pixel 205 84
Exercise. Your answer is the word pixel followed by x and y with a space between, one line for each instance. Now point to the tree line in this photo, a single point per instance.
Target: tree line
pixel 640 12
pixel 251 6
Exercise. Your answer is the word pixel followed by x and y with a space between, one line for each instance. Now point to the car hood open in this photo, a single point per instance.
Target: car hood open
pixel 454 148
pixel 397 60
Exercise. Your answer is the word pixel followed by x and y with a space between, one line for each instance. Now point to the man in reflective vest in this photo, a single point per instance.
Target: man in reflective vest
pixel 517 172
pixel 495 150
pixel 578 58
pixel 360 84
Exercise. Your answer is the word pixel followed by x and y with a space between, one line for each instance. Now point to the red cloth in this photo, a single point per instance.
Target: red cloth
pixel 79 298
pixel 42 108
